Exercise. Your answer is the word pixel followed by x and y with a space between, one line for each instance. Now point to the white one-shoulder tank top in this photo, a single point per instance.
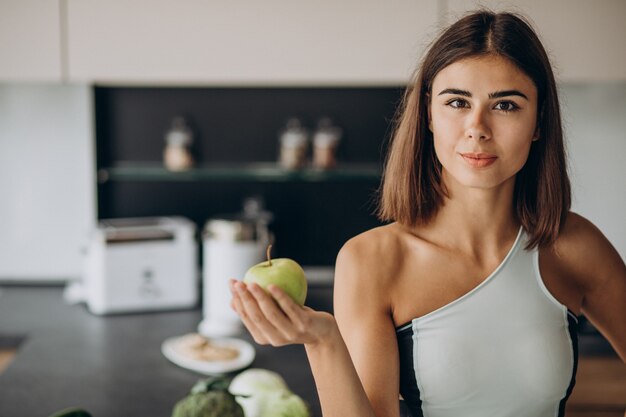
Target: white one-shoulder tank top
pixel 507 348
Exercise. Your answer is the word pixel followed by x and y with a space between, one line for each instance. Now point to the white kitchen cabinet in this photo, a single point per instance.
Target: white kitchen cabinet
pixel 47 181
pixel 30 41
pixel 584 39
pixel 277 42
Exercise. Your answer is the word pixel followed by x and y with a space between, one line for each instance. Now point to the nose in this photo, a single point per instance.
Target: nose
pixel 477 126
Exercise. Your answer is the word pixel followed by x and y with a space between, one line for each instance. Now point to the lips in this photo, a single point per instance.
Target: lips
pixel 478 155
pixel 479 160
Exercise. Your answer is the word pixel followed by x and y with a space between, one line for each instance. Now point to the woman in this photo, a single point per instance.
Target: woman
pixel 466 303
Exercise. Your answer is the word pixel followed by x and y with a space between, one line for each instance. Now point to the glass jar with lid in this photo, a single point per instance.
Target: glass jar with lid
pixel 293 145
pixel 178 139
pixel 325 141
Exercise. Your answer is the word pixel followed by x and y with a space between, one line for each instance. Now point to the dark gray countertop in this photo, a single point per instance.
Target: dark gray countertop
pixel 112 365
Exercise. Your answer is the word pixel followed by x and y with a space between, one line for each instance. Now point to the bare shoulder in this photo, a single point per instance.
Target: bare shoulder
pixel 373 248
pixel 369 259
pixel 575 234
pixel 584 251
pixel 372 240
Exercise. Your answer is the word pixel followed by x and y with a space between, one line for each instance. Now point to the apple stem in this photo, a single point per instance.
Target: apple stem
pixel 269 258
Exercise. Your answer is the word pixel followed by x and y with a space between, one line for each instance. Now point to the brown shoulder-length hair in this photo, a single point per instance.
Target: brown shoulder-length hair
pixel 411 191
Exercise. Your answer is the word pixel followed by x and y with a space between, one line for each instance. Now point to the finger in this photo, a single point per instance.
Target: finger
pixel 292 310
pixel 272 312
pixel 235 302
pixel 255 315
pixel 237 305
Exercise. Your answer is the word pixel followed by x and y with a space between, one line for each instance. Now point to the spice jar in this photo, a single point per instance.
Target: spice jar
pixel 293 145
pixel 325 142
pixel 177 154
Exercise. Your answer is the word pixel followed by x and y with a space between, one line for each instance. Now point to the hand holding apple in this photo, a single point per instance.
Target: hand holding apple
pixel 285 273
pixel 270 304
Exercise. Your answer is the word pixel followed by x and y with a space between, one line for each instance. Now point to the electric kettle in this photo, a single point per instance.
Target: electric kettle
pixel 231 244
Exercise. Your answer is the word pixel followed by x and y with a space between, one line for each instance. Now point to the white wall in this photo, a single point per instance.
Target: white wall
pixel 47 185
pixel 595 129
pixel 276 42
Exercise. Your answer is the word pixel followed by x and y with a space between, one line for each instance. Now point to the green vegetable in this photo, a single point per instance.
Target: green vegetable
pixel 210 384
pixel 250 388
pixel 255 379
pixel 284 404
pixel 209 404
pixel 264 393
pixel 71 412
pixel 209 398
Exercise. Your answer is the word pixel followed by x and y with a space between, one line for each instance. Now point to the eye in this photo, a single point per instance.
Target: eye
pixel 507 106
pixel 457 103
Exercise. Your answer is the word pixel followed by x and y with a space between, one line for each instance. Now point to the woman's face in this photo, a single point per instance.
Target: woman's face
pixel 482 114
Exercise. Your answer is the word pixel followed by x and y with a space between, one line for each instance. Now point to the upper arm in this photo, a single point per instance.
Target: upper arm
pixel 603 276
pixel 362 314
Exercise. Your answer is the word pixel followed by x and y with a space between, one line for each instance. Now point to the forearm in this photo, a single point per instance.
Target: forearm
pixel 339 388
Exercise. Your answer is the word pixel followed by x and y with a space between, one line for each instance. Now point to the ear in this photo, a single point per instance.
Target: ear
pixel 536 135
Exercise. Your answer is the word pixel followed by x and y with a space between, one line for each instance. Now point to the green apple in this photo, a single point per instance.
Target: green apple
pixel 282 272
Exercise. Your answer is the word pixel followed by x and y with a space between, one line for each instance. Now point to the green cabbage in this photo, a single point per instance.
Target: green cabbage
pixel 263 393
pixel 284 404
pixel 253 380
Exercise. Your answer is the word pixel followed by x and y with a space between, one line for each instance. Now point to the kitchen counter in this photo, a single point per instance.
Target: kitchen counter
pixel 112 365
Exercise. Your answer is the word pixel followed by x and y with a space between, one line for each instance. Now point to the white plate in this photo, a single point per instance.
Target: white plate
pixel 245 358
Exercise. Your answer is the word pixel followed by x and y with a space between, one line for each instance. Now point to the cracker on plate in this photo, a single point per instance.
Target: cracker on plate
pixel 195 346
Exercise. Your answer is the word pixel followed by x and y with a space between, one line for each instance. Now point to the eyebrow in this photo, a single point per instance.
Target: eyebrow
pixel 495 94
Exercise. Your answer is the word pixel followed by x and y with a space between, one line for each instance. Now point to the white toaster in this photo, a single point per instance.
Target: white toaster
pixel 140 264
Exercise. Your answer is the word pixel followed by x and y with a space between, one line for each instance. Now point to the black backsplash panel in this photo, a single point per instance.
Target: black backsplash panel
pixel 312 219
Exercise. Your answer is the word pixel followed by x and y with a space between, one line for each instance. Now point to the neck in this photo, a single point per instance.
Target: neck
pixel 479 222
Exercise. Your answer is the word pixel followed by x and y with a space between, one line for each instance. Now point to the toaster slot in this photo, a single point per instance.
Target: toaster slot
pixel 145 235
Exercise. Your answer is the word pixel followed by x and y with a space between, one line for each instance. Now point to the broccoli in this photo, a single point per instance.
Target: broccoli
pixel 209 398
